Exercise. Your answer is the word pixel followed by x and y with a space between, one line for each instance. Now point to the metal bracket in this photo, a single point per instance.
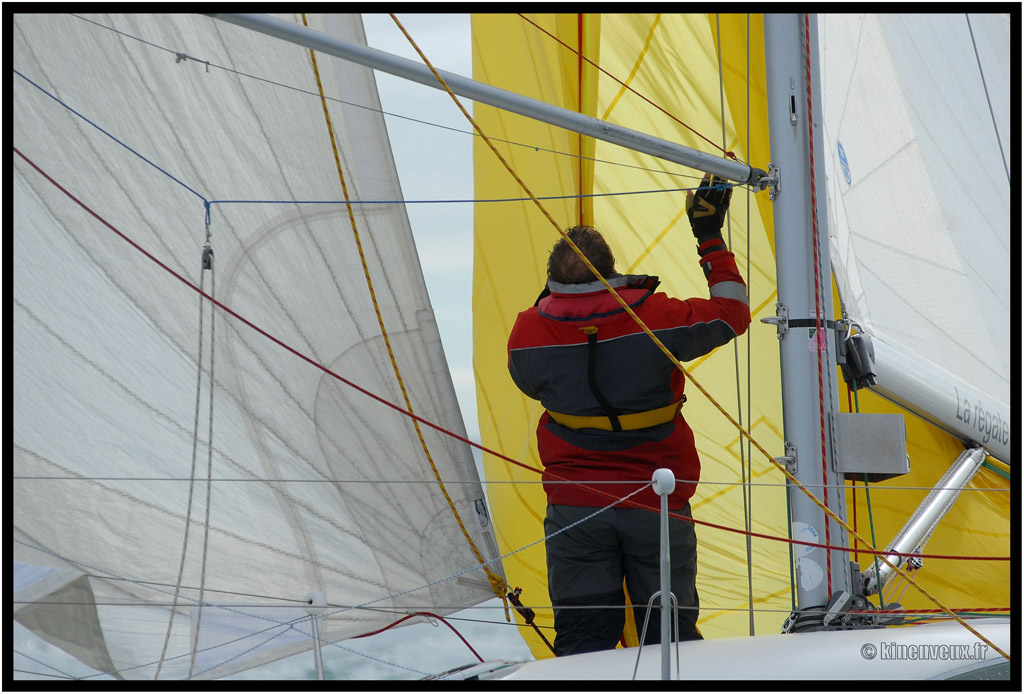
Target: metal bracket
pixel 780 320
pixel 844 611
pixel 789 460
pixel 793 120
pixel 772 181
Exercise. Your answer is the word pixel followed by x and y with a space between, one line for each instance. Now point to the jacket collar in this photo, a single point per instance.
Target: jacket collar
pixel 617 281
pixel 591 300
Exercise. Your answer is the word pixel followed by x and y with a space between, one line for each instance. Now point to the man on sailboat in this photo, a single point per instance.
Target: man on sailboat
pixel 612 414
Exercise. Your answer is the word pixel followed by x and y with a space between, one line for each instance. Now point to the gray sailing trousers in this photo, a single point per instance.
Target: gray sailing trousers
pixel 588 563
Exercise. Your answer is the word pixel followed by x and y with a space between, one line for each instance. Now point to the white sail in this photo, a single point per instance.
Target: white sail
pixel 317 486
pixel 917 137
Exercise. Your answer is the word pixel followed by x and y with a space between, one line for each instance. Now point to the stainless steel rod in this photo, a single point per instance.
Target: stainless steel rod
pixel 500 98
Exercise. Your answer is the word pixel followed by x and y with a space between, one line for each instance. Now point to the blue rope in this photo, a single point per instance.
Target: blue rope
pixel 112 137
pixel 208 203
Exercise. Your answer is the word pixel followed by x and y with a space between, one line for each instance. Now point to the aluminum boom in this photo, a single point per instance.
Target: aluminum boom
pixel 955 406
pixel 500 98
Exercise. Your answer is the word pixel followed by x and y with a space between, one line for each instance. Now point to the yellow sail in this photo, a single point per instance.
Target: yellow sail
pixel 703 80
pixel 648 234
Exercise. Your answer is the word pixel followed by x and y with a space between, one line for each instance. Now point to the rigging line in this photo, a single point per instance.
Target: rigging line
pixel 748 502
pixel 380 660
pixel 207 255
pixel 424 614
pixel 632 504
pixel 853 482
pixel 747 522
pixel 191 480
pixel 707 607
pixel 463 200
pixel 991 111
pixel 290 601
pixel 880 553
pixel 821 610
pixel 115 139
pixel 907 610
pixel 39 662
pixel 497 583
pixel 820 336
pixel 580 139
pixel 289 627
pixel 871 523
pixel 335 99
pixel 39 674
pixel 631 89
pixel 733 483
pixel 617 501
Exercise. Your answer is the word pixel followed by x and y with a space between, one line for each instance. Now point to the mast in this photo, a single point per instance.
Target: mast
pixel 818 575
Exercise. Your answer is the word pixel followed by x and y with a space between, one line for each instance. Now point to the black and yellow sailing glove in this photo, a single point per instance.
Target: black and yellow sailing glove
pixel 706 210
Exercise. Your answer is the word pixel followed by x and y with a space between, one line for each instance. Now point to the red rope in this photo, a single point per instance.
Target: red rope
pixel 817 545
pixel 452 434
pixel 423 614
pixel 264 333
pixel 819 335
pixel 933 610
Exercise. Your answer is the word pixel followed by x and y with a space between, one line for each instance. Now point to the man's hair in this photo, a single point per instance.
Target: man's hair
pixel 565 267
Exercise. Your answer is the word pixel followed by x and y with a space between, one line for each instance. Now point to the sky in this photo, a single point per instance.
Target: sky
pixel 433 164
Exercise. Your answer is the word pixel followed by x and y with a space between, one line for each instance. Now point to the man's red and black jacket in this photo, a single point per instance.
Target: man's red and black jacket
pixel 582 355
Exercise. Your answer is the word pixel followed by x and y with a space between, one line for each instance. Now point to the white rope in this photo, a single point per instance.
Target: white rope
pixel 191 479
pixel 207 253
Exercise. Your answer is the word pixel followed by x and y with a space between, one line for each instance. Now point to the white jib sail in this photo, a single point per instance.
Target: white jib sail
pixel 917 136
pixel 316 486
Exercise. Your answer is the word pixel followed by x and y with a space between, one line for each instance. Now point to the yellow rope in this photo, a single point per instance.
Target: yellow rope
pixel 672 357
pixel 497 583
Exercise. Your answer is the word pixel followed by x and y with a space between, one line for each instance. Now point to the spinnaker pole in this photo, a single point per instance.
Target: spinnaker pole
pixel 499 98
pixel 914 535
